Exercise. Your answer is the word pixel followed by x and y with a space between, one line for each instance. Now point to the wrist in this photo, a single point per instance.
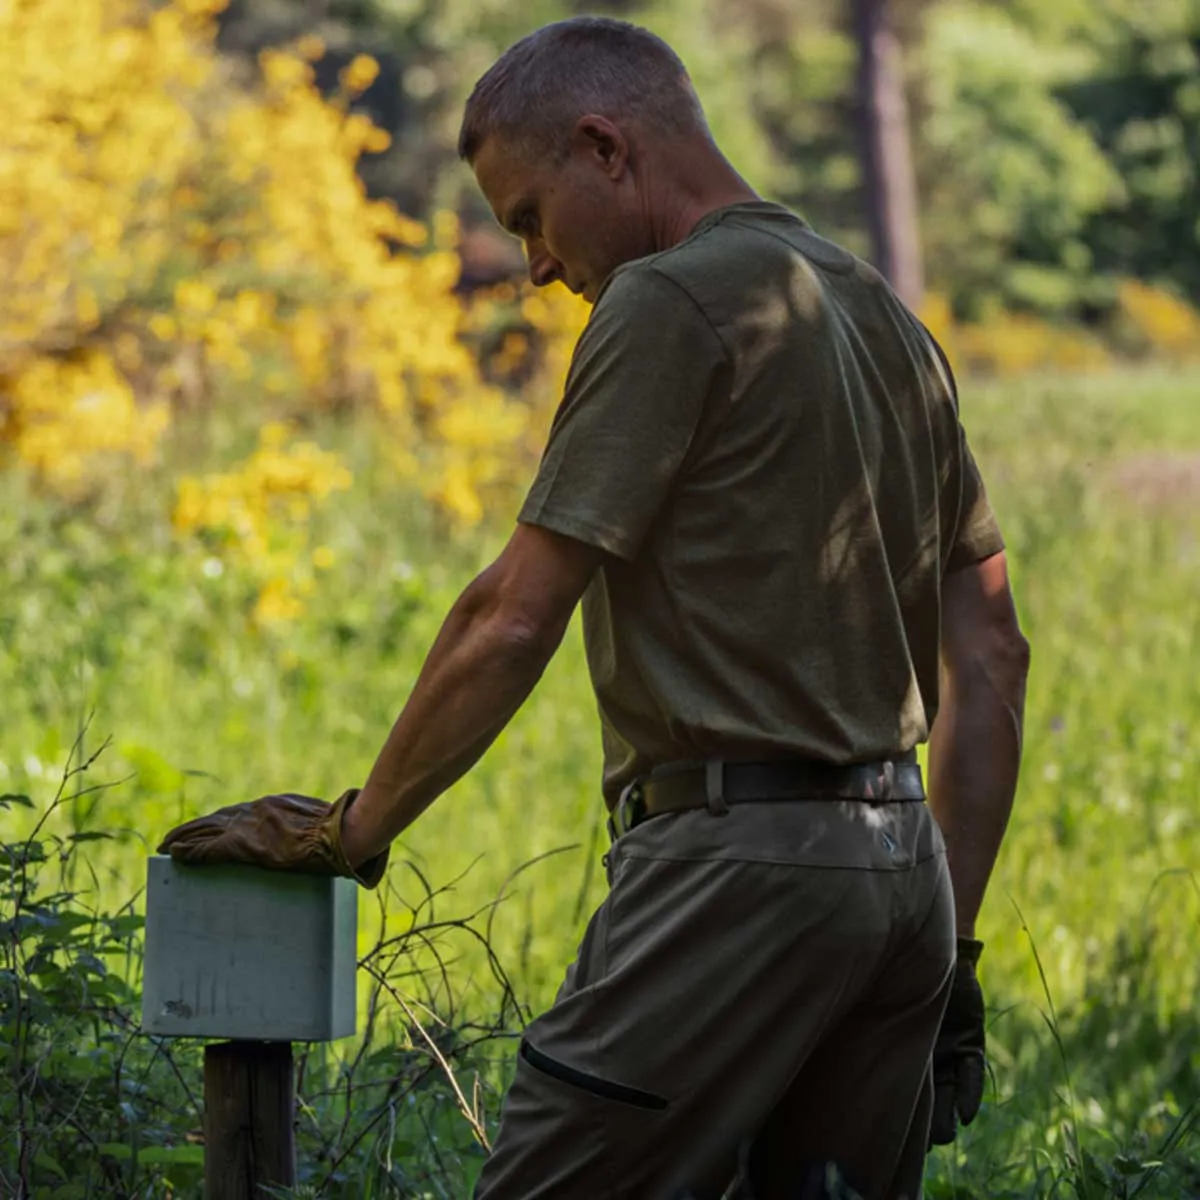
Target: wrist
pixel 354 836
pixel 355 850
pixel 968 949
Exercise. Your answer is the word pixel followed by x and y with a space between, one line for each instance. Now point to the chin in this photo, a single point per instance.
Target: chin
pixel 589 291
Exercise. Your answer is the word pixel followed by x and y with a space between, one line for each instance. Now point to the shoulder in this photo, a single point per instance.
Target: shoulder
pixel 648 300
pixel 743 260
pixel 681 275
pixel 643 285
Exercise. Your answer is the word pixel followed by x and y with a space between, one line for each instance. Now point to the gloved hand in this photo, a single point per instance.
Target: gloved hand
pixel 958 1053
pixel 285 833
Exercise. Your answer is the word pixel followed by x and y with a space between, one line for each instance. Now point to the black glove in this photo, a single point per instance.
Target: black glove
pixel 958 1053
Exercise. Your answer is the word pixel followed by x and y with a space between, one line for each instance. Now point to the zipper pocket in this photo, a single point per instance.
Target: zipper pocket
pixel 604 1088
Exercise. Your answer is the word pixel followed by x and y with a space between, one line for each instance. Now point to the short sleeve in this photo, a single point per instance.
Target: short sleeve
pixel 643 372
pixel 978 534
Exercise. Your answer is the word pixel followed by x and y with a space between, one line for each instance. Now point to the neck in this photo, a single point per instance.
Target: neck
pixel 701 180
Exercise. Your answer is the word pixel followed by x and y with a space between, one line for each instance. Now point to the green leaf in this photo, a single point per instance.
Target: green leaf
pixel 1129 1164
pixel 8 799
pixel 91 963
pixel 89 835
pixel 50 747
pixel 171 1154
pixel 126 924
pixel 155 774
pixel 64 922
pixel 48 1163
pixel 155 1155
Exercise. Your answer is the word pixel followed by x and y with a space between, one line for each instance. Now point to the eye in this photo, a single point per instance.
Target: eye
pixel 525 225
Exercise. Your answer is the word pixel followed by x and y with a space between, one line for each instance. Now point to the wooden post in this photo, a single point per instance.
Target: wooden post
pixel 259 959
pixel 249 1100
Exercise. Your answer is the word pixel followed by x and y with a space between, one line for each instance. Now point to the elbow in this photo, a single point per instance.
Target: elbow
pixel 1006 657
pixel 518 631
pixel 528 636
pixel 994 662
pixel 1013 649
pixel 1025 655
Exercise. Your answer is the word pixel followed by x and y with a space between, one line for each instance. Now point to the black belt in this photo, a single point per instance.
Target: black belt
pixel 715 785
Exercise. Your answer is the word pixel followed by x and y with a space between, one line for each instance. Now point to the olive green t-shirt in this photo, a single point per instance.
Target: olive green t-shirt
pixel 767 444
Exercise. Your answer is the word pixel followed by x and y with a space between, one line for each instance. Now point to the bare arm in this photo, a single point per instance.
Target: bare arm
pixel 975 746
pixel 491 651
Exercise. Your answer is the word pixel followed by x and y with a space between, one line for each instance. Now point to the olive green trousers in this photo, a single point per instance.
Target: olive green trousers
pixel 771 980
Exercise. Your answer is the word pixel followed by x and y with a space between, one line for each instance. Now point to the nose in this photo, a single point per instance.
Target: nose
pixel 544 268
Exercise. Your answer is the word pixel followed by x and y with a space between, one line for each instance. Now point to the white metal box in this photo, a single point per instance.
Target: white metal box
pixel 247 953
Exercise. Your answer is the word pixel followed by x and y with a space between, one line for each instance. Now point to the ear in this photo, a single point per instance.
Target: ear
pixel 603 143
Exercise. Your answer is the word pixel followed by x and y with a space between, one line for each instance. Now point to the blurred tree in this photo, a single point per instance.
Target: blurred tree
pixel 891 190
pixel 1142 105
pixel 1009 176
pixel 1054 145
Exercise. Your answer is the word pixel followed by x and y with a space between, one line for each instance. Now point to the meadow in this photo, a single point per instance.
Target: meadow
pixel 111 627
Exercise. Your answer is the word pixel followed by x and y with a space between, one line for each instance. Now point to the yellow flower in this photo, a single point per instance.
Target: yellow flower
pixel 195 296
pixel 272 435
pixel 276 603
pixel 283 72
pixel 457 494
pixel 377 140
pixel 86 308
pixel 310 47
pixel 1164 322
pixel 202 8
pixel 359 74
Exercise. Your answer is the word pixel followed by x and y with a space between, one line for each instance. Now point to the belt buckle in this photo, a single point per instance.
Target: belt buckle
pixel 629 810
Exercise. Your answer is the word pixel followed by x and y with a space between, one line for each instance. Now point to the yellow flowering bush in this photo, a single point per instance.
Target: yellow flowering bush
pixel 1157 321
pixel 65 412
pixel 1146 321
pixel 1016 344
pixel 168 238
pixel 257 514
pixel 1011 343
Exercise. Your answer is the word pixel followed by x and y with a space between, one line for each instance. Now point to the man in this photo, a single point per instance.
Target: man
pixel 758 484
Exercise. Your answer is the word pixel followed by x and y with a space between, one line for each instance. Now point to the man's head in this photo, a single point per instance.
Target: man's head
pixel 570 134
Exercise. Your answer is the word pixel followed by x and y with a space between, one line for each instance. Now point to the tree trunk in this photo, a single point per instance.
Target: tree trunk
pixel 891 187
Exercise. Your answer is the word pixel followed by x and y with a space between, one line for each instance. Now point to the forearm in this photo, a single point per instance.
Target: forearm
pixel 479 671
pixel 974 758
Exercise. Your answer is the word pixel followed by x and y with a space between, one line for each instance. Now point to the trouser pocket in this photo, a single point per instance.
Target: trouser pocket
pixel 607 1089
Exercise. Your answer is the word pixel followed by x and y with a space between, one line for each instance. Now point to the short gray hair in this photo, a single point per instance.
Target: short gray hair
pixel 539 87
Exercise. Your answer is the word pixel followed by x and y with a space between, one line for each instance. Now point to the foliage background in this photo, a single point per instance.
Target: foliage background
pixel 269 393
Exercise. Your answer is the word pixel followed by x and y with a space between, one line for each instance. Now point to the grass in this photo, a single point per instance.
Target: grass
pixel 1092 923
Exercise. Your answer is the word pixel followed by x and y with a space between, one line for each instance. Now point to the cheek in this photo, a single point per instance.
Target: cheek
pixel 590 233
pixel 604 234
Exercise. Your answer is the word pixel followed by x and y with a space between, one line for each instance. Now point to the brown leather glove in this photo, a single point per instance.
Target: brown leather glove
pixel 959 1061
pixel 283 833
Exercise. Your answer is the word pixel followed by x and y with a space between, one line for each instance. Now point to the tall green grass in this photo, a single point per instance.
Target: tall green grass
pixel 1095 1053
